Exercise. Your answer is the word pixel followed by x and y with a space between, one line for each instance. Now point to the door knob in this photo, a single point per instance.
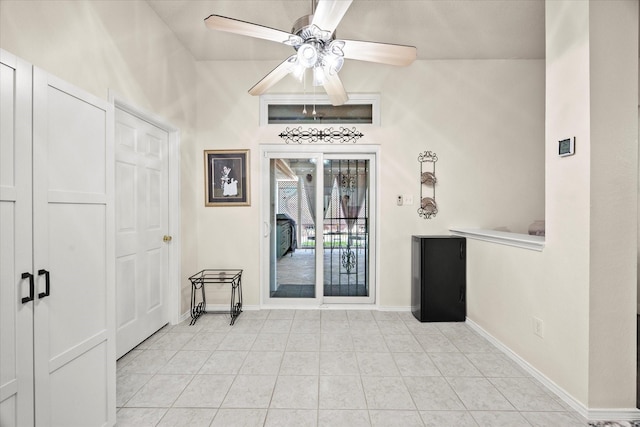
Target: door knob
pixel 166 238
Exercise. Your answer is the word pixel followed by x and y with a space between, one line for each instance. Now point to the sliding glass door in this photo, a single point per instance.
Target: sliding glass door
pixel 318 235
pixel 292 254
pixel 346 217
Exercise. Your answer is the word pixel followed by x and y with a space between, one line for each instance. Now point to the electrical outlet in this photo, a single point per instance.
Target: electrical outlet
pixel 408 199
pixel 399 200
pixel 538 327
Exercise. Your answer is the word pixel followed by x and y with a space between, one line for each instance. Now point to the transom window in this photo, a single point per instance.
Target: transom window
pixel 317 110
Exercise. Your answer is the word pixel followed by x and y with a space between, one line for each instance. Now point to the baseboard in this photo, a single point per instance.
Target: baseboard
pixel 346 306
pixel 332 307
pixel 393 308
pixel 591 414
pixel 224 308
pixel 630 414
pixel 184 316
pixel 217 308
pixel 221 308
pixel 324 307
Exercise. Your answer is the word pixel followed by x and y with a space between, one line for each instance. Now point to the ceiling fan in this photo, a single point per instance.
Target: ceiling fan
pixel 313 38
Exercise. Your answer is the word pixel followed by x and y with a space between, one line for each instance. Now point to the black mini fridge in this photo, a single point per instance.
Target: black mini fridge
pixel 438 278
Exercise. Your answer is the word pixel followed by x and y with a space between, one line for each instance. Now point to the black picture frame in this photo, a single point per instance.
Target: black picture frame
pixel 226 178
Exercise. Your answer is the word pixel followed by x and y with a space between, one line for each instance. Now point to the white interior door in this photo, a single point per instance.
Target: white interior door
pixel 16 316
pixel 73 244
pixel 141 224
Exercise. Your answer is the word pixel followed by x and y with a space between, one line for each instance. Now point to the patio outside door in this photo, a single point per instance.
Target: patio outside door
pixel 346 226
pixel 318 234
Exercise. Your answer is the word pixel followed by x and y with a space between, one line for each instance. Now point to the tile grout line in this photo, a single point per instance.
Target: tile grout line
pixel 384 330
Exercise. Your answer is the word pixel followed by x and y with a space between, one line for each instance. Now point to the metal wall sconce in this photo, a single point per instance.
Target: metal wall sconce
pixel 428 206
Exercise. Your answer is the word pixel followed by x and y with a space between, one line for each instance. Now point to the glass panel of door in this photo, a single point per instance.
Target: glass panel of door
pixel 345 228
pixel 293 254
pixel 319 216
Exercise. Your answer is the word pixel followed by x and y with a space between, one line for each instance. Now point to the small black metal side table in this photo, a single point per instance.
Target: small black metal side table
pixel 218 276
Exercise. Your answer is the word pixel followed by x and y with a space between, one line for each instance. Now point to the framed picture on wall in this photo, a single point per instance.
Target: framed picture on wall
pixel 226 178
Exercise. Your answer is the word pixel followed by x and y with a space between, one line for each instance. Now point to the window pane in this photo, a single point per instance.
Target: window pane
pixel 325 114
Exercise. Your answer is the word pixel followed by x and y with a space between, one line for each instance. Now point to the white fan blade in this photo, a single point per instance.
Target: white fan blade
pixel 230 25
pixel 329 13
pixel 274 76
pixel 333 85
pixel 392 54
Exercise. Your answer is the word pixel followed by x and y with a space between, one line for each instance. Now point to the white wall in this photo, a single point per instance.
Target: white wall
pixel 583 285
pixel 614 171
pixel 484 119
pixel 118 45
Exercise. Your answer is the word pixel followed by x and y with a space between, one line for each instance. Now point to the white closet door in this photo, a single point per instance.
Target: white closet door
pixel 74 248
pixel 16 316
pixel 142 220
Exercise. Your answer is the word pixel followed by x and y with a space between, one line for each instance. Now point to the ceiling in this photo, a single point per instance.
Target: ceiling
pixel 439 29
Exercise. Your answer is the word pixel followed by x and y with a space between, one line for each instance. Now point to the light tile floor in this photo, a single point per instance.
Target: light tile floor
pixel 328 368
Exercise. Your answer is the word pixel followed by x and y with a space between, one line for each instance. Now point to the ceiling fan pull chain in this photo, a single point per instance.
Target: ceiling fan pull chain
pixel 304 91
pixel 314 103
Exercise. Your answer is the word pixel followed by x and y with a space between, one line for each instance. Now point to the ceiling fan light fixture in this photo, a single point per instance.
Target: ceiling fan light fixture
pixel 318 76
pixel 336 47
pixel 312 32
pixel 308 54
pixel 293 40
pixel 333 64
pixel 313 38
pixel 295 68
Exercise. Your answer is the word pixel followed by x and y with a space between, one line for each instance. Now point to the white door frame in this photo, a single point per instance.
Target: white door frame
pixel 173 292
pixel 266 152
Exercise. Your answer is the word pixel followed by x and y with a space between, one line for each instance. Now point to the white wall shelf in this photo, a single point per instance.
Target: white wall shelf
pixel 524 241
